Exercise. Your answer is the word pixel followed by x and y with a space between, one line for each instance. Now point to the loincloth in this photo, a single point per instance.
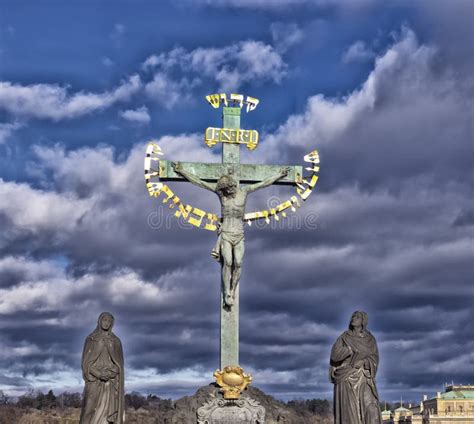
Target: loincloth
pixel 233 238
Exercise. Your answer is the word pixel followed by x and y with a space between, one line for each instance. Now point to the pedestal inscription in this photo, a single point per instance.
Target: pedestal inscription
pixel 241 411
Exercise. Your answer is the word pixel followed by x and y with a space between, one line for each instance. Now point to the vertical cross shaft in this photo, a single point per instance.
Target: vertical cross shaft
pixel 229 350
pixel 231 151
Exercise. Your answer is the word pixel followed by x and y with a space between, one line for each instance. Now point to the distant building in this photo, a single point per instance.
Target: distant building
pixel 387 415
pixel 454 406
pixel 401 415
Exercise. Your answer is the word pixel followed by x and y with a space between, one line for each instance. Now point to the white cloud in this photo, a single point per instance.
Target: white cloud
pixel 26 269
pixel 118 33
pixel 229 66
pixel 22 349
pixel 84 172
pixel 34 210
pixel 404 69
pixel 240 63
pixel 107 61
pixel 151 62
pixel 6 130
pixel 358 52
pixel 94 173
pixel 138 116
pixel 43 294
pixel 259 60
pixel 285 35
pixel 168 92
pixel 50 101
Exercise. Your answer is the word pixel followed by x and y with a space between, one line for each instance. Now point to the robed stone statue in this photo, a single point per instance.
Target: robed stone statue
pixel 102 369
pixel 353 367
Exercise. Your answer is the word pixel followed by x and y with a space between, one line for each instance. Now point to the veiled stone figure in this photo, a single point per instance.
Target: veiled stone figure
pixel 102 369
pixel 353 367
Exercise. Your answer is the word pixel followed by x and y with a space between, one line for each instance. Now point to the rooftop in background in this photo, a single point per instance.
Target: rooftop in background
pixel 458 394
pixel 454 387
pixel 402 409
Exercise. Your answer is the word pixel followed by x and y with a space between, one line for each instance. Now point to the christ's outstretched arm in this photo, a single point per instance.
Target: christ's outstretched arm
pixel 192 178
pixel 268 182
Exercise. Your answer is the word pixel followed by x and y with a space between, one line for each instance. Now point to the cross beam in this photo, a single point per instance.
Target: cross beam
pixel 246 173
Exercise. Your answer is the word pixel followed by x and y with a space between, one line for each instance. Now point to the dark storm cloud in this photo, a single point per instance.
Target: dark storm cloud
pixel 392 236
pixel 412 118
pixel 160 322
pixel 389 236
pixel 465 218
pixel 97 229
pixel 385 240
pixel 451 26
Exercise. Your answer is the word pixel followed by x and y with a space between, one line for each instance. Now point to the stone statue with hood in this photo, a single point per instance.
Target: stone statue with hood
pixel 103 373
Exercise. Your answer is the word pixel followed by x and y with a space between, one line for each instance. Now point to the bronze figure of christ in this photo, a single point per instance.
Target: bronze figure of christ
pixel 229 248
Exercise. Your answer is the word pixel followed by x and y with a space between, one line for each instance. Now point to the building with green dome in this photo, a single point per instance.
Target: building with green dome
pixel 401 415
pixel 387 415
pixel 454 406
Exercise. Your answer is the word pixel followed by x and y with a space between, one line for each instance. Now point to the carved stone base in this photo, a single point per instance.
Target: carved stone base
pixel 241 411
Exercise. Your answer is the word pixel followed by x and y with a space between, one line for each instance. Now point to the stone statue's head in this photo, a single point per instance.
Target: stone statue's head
pixel 226 185
pixel 105 321
pixel 359 319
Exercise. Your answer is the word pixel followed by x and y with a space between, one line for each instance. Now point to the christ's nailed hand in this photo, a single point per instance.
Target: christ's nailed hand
pixel 285 171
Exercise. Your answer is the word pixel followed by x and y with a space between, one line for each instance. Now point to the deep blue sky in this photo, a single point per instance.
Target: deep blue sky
pixel 382 89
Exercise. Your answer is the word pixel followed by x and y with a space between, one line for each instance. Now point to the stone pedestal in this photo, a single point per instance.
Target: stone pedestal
pixel 241 411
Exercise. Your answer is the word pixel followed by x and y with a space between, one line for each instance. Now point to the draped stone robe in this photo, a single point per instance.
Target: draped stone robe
pixel 103 400
pixel 356 400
